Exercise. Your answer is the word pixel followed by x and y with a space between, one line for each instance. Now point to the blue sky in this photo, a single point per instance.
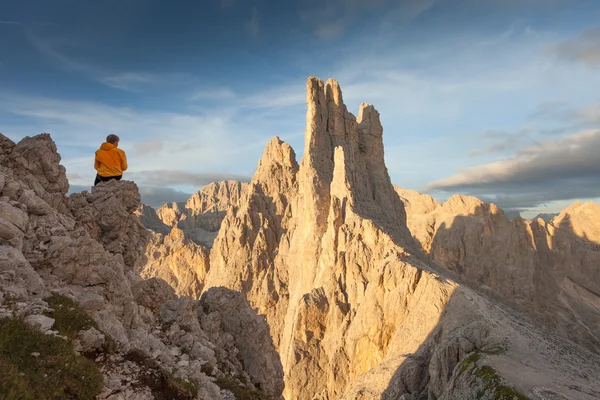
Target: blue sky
pixel 494 98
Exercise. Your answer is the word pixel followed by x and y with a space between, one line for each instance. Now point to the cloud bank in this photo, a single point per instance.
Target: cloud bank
pixel 557 169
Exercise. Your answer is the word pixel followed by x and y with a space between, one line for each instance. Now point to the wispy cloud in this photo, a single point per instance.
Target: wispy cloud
pixel 132 81
pixel 3 22
pixel 252 26
pixel 584 48
pixel 214 94
pixel 498 141
pixel 549 109
pixel 129 81
pixel 172 177
pixel 588 116
pixel 148 147
pixel 332 18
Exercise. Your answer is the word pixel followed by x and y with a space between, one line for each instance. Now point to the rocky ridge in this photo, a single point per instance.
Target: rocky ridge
pixel 87 249
pixel 182 234
pixel 325 250
pixel 353 299
pixel 201 216
pixel 551 269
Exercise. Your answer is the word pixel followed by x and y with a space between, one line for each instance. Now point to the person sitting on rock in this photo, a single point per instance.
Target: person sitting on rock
pixel 110 161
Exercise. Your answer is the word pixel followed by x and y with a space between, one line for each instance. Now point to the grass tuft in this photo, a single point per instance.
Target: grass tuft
pixel 70 318
pixel 39 366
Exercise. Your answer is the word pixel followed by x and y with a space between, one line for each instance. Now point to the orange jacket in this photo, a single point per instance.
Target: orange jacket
pixel 110 160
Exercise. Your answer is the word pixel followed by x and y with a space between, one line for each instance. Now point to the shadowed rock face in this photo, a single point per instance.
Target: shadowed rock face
pixel 323 249
pixel 550 268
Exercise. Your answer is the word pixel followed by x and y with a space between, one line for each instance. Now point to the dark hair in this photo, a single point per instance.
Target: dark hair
pixel 112 138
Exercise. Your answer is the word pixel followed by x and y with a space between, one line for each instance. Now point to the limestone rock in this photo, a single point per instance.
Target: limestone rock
pixel 150 220
pixel 320 275
pixel 551 268
pixel 35 161
pixel 153 292
pixel 89 341
pixel 205 210
pixel 251 337
pixel 178 251
pixel 323 250
pixel 40 322
pixel 89 248
pixel 177 260
pixel 17 277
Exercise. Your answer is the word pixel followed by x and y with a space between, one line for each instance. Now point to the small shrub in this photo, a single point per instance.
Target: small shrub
pixel 240 391
pixel 139 357
pixel 184 389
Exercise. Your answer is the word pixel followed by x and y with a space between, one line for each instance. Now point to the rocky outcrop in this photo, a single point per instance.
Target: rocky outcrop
pixel 149 218
pixel 201 216
pixel 183 234
pixel 323 250
pixel 550 268
pixel 88 248
pixel 319 276
pixel 177 260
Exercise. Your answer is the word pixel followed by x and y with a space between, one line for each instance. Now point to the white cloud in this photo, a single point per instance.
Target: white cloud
pixel 198 179
pixel 129 81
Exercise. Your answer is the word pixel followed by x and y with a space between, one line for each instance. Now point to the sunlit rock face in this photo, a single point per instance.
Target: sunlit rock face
pixel 372 291
pixel 201 216
pixel 348 276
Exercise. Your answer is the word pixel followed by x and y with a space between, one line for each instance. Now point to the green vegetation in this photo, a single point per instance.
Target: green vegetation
pixel 493 385
pixel 10 299
pixel 70 319
pixel 492 381
pixel 163 385
pixel 241 392
pixel 38 366
pixel 468 361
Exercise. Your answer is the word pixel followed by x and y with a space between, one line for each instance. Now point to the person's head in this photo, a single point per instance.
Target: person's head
pixel 113 139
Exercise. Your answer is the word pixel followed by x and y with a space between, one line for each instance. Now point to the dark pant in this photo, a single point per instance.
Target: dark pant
pixel 106 178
